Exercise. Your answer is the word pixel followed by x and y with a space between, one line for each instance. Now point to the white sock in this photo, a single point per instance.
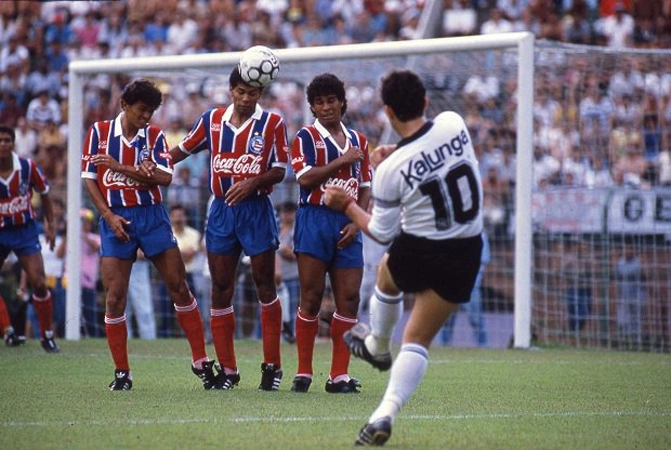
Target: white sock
pixel 406 374
pixel 385 310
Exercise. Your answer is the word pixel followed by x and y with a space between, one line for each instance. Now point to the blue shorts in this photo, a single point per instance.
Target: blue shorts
pixel 250 226
pixel 149 230
pixel 23 240
pixel 317 232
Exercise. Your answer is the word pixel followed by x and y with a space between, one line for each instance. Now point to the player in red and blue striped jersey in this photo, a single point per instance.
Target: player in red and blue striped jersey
pixel 248 153
pixel 327 153
pixel 19 232
pixel 124 163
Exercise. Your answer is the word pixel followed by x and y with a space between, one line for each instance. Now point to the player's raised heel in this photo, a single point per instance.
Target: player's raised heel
pixel 375 434
pixel 355 340
pixel 206 375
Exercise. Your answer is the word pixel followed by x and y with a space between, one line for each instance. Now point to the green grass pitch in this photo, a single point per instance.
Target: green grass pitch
pixel 469 399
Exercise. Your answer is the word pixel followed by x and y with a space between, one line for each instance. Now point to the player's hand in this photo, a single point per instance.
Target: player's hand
pixel 353 154
pixel 118 225
pixel 146 168
pixel 380 154
pixel 336 198
pixel 348 234
pixel 50 234
pixel 105 160
pixel 240 191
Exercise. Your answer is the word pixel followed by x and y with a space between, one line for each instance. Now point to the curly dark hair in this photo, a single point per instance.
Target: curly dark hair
pixel 142 90
pixel 327 84
pixel 404 93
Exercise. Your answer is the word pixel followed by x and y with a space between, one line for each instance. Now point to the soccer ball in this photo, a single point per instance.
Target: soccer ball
pixel 259 66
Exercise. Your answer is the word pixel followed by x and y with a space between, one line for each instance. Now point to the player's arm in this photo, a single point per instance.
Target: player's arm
pixel 40 185
pixel 49 225
pixel 317 175
pixel 381 153
pixel 177 154
pixel 243 189
pixel 155 177
pixel 115 222
pixel 350 231
pixel 382 227
pixel 364 197
pixel 338 199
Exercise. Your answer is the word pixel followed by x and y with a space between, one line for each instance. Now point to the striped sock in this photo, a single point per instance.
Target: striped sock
pixel 190 321
pixel 340 355
pixel 406 374
pixel 306 333
pixel 43 308
pixel 222 324
pixel 117 340
pixel 271 332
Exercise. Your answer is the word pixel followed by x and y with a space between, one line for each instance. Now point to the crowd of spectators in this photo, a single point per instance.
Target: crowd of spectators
pixel 577 114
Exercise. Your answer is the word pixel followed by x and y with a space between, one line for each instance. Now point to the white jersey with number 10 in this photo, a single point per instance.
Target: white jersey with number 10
pixel 430 186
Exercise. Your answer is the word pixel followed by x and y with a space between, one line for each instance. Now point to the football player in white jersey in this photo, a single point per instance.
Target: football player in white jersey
pixel 428 203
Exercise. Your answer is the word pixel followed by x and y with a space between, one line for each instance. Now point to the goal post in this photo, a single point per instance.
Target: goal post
pixel 293 65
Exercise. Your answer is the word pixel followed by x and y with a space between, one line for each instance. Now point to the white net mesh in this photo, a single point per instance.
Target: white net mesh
pixel 601 208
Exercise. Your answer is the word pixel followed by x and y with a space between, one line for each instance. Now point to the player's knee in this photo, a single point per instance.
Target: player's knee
pixel 114 304
pixel 180 294
pixel 310 304
pixel 266 292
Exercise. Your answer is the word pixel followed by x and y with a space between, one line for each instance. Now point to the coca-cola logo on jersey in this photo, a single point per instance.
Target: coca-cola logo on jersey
pixel 116 180
pixel 350 185
pixel 15 206
pixel 243 165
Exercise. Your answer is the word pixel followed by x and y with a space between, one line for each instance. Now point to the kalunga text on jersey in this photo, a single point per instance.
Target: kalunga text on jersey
pixel 429 162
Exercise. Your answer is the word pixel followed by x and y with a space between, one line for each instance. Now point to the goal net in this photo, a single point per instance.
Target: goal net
pixel 488 79
pixel 601 201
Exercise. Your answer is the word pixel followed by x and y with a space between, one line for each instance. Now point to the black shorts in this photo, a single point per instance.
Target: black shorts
pixel 449 267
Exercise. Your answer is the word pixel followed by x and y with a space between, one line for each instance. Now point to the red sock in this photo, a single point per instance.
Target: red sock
pixel 117 340
pixel 271 331
pixel 306 333
pixel 340 355
pixel 43 309
pixel 189 320
pixel 222 323
pixel 4 316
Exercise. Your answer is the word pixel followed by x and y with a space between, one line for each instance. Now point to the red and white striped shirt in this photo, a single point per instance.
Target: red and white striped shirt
pixel 106 137
pixel 314 147
pixel 240 153
pixel 16 192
